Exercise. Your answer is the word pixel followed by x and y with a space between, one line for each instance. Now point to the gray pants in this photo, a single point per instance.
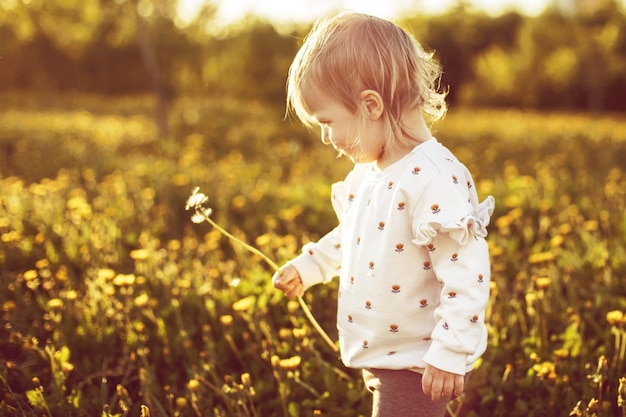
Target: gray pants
pixel 398 393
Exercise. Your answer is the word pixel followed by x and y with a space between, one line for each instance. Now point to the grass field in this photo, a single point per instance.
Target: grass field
pixel 113 300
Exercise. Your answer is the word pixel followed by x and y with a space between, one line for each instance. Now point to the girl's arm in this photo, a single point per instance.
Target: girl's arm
pixel 320 261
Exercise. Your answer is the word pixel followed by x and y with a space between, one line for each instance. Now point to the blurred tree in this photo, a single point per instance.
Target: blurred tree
pixel 251 62
pixel 602 52
pixel 557 61
pixel 107 46
pixel 136 46
pixel 460 35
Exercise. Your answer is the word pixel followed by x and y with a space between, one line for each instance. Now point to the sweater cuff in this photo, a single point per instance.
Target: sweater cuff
pixel 310 273
pixel 442 358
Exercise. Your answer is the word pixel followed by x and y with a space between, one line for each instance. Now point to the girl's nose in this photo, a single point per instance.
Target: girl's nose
pixel 325 135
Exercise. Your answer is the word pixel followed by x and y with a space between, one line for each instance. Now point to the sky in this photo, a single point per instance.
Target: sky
pixel 284 11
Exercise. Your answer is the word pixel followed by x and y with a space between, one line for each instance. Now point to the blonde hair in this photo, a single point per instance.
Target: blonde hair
pixel 350 52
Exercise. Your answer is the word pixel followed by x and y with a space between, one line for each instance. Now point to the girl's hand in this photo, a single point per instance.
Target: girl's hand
pixel 288 280
pixel 440 384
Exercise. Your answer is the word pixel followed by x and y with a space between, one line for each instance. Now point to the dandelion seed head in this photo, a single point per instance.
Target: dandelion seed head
pixel 197 218
pixel 196 199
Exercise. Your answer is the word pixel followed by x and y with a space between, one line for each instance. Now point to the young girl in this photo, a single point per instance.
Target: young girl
pixel 409 249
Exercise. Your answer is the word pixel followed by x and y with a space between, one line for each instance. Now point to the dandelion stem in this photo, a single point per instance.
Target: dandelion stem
pixel 276 268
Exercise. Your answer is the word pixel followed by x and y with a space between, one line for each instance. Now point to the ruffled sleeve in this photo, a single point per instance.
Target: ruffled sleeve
pixel 460 229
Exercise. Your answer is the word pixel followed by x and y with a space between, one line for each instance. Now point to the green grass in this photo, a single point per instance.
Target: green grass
pixel 112 299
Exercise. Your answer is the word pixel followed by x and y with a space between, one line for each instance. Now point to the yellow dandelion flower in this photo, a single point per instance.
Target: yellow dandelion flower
pixel 30 275
pixel 12 236
pixel 541 257
pixel 503 222
pixel 284 333
pixel 557 241
pixel 264 239
pixel 106 274
pixel 244 304
pixel 70 295
pixel 292 306
pixel 299 333
pixel 174 245
pixel 61 274
pixel 290 363
pixel 561 353
pixel 183 283
pixel 193 385
pixel 615 317
pixel 42 263
pixel 544 369
pixel 148 193
pixel 124 280
pixel 8 306
pixel 139 254
pixel 590 225
pixel 565 228
pixel 67 367
pixel 246 380
pixel 181 402
pixel 543 282
pixel 142 300
pixel 55 304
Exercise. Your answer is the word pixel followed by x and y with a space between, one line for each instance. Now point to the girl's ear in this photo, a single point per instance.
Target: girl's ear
pixel 372 103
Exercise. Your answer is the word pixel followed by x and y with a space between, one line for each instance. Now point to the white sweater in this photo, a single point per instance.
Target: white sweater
pixel 413 263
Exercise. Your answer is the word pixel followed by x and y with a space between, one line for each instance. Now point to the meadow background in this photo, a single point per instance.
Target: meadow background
pixel 114 304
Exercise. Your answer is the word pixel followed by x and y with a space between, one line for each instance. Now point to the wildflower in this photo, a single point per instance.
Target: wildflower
pixel 197 218
pixel 55 304
pixel 8 305
pixel 106 274
pixel 542 282
pixel 299 333
pixel 536 258
pixel 545 370
pixel 561 353
pixel 246 380
pixel 139 254
pixel 141 300
pixel 30 275
pixel 244 304
pixel 557 240
pixel 196 199
pixel 288 363
pixel 193 385
pixel 181 402
pixel 124 280
pixel 615 317
pixel 70 294
pixel 67 367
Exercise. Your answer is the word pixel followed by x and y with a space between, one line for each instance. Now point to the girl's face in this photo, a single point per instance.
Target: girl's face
pixel 339 127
